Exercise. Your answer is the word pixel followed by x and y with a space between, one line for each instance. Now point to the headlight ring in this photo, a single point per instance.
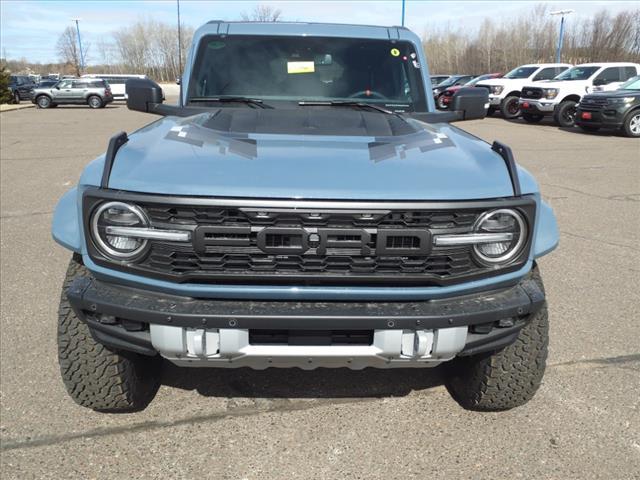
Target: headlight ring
pixel 497 221
pixel 121 214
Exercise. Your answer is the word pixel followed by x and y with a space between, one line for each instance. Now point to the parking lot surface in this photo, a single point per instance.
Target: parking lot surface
pixel 287 424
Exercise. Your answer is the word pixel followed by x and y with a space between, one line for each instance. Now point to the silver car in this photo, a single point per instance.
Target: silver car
pixel 94 92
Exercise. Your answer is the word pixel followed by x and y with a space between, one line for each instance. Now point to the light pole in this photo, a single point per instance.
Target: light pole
pixel 562 14
pixel 179 53
pixel 403 13
pixel 79 43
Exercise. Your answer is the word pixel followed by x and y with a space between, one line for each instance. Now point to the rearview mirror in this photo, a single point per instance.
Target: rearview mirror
pixel 143 94
pixel 599 81
pixel 471 103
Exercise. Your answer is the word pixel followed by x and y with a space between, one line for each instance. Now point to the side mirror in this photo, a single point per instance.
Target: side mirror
pixel 143 94
pixel 57 87
pixel 471 103
pixel 599 81
pixel 178 80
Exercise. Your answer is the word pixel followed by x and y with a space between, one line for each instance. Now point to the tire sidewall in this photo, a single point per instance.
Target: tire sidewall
pixel 504 108
pixel 562 111
pixel 627 124
pixel 43 101
pixel 94 101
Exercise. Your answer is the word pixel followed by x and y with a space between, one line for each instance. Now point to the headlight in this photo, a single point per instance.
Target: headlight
pixel 620 100
pixel 118 214
pixel 509 227
pixel 550 93
pixel 497 89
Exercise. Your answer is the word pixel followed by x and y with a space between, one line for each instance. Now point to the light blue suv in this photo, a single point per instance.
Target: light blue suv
pixel 304 205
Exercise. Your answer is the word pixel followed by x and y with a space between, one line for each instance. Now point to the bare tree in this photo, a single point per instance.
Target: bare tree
pixel 69 51
pixel 262 13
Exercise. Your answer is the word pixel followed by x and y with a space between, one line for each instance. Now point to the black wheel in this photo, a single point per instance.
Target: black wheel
pixel 43 101
pixel 589 128
pixel 440 102
pixel 506 378
pixel 532 118
pixel 94 375
pixel 94 101
pixel 16 97
pixel 565 114
pixel 510 108
pixel 631 126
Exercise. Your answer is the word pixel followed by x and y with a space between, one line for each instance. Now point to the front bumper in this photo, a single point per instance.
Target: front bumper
pixel 536 107
pixel 495 100
pixel 203 332
pixel 609 117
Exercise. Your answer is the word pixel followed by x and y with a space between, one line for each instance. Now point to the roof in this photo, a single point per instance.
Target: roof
pixel 216 27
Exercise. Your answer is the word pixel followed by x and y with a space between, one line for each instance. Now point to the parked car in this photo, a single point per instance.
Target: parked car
pixel 93 92
pixel 452 81
pixel 116 82
pixel 618 109
pixel 46 83
pixel 20 87
pixel 444 99
pixel 257 224
pixel 436 79
pixel 560 96
pixel 504 93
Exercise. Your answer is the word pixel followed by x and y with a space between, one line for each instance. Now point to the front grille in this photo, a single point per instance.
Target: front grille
pixel 531 92
pixel 234 248
pixel 316 243
pixel 593 103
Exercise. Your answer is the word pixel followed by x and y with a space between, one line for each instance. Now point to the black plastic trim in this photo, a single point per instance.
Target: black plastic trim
pixel 505 152
pixel 115 142
pixel 90 298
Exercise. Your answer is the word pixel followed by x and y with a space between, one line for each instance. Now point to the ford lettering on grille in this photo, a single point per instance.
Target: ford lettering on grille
pixel 298 240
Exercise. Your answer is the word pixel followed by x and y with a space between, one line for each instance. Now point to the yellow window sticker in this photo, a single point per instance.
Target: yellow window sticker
pixel 395 52
pixel 300 67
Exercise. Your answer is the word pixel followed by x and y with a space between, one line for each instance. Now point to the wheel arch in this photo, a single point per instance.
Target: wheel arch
pixel 571 98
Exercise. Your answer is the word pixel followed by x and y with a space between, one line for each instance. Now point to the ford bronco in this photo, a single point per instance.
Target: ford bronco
pixel 303 205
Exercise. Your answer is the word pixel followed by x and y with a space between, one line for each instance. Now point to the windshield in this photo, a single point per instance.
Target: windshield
pixel 381 72
pixel 478 79
pixel 631 84
pixel 449 81
pixel 521 72
pixel 577 73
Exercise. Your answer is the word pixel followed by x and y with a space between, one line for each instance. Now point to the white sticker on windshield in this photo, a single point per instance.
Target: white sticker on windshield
pixel 300 67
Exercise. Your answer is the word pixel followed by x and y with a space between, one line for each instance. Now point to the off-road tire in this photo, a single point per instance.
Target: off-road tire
pixel 532 117
pixel 508 109
pixel 630 128
pixel 43 101
pixel 563 115
pixel 95 101
pixel 507 378
pixel 95 376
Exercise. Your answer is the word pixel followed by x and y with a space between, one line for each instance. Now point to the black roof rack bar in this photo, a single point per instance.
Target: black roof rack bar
pixel 115 143
pixel 507 155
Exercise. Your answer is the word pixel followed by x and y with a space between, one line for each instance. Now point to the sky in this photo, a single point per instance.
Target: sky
pixel 30 29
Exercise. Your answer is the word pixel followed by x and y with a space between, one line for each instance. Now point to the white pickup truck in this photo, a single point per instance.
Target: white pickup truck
pixel 559 97
pixel 504 92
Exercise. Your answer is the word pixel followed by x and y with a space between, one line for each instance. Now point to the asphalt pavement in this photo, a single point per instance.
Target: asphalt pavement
pixel 584 422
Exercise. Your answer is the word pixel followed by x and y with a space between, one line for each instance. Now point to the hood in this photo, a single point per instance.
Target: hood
pixel 614 94
pixel 310 153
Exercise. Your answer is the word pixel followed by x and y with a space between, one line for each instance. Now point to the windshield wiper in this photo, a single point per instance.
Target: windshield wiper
pixel 249 101
pixel 314 103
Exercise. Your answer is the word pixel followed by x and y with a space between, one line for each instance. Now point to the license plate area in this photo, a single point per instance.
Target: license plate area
pixel 310 337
